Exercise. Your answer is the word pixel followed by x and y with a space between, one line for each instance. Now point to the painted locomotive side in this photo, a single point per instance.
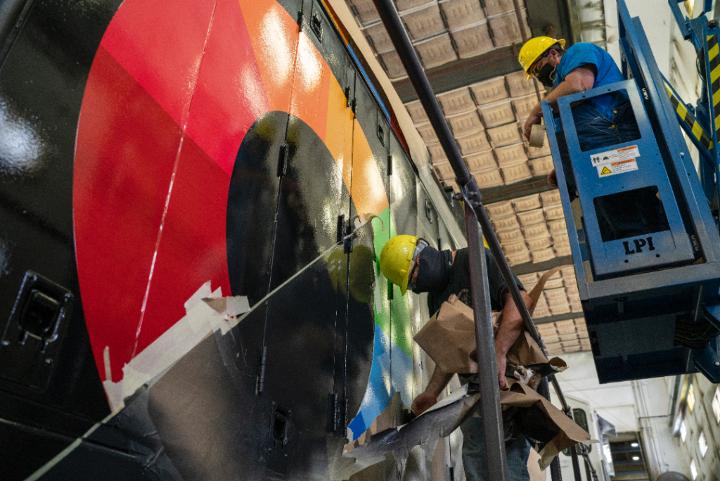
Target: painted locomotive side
pixel 157 152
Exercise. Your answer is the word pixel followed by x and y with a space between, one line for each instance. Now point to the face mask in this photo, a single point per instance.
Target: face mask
pixel 546 75
pixel 433 270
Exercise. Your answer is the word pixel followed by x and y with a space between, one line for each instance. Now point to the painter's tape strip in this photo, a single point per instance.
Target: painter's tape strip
pixel 206 312
pixel 537 135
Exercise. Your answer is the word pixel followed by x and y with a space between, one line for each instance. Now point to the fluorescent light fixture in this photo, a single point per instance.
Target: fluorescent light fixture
pixel 691 398
pixel 702 444
pixel 683 430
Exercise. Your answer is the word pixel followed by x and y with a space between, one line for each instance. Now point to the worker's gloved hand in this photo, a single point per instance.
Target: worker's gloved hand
pixel 531 120
pixel 422 402
pixel 552 178
pixel 501 362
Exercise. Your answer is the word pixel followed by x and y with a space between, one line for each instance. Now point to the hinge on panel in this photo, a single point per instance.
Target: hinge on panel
pixel 347 96
pixel 381 134
pixel 300 18
pixel 335 415
pixel 340 228
pixel 389 290
pixel 389 164
pixel 353 104
pixel 260 379
pixel 348 238
pixel 344 233
pixel 283 160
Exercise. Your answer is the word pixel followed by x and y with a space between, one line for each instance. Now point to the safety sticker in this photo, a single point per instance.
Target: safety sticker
pixel 616 161
pixel 621 167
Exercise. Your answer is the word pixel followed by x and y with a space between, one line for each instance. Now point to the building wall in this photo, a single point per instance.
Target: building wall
pixel 695 419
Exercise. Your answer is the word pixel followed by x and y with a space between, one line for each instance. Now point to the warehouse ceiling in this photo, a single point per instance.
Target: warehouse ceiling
pixel 469 51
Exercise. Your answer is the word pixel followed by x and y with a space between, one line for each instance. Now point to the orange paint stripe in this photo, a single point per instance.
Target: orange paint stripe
pixel 310 87
pixel 274 37
pixel 339 130
pixel 317 98
pixel 367 188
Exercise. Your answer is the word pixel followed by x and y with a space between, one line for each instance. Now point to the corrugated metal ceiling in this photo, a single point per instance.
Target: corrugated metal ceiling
pixel 485 118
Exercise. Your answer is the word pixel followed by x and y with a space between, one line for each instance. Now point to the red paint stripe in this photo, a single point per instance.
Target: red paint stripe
pixel 125 149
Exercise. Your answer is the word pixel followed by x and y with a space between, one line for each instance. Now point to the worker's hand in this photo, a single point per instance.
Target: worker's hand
pixel 501 362
pixel 552 178
pixel 532 119
pixel 421 403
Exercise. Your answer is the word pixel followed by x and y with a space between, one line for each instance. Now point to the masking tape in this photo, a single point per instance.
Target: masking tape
pixel 537 135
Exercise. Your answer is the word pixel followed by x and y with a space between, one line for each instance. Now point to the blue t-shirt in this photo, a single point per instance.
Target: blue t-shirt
pixel 587 54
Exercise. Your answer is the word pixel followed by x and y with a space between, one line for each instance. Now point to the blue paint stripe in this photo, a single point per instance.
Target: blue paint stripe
pixel 365 77
pixel 377 396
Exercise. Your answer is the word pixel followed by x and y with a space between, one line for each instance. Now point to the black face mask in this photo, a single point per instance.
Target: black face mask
pixel 546 76
pixel 433 270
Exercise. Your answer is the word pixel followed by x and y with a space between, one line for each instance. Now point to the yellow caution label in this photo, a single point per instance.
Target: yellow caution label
pixel 606 171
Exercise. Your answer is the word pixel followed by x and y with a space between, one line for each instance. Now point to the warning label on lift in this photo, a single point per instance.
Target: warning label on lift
pixel 617 161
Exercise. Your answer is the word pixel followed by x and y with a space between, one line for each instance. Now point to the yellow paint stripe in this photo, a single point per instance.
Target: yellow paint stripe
pixel 713 52
pixel 333 18
pixel 697 131
pixel 695 128
pixel 717 121
pixel 681 110
pixel 716 97
pixel 715 73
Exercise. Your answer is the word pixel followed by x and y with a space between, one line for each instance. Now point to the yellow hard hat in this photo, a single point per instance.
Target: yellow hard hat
pixel 534 48
pixel 396 258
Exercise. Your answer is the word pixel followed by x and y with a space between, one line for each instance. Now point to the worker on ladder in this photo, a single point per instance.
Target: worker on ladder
pixel 412 263
pixel 600 121
pixel 604 120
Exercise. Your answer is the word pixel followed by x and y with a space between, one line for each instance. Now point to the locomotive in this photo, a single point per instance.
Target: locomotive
pixel 159 157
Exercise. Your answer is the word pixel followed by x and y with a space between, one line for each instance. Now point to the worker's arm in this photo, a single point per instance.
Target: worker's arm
pixel 511 325
pixel 427 398
pixel 579 80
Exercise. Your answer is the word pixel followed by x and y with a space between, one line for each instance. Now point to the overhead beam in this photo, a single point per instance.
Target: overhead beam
pixel 533 185
pixel 529 267
pixel 545 17
pixel 463 72
pixel 558 317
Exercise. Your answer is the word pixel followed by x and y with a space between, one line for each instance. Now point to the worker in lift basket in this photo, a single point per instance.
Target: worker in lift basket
pixel 602 121
pixel 412 263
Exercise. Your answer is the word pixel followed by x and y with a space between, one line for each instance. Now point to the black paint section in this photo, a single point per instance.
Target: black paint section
pixel 319 328
pixel 46 51
pixel 202 419
pixel 254 188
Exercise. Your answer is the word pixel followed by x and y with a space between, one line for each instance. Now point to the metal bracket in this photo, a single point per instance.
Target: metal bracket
pixel 32 337
pixel 707 360
pixel 283 157
pixel 316 26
